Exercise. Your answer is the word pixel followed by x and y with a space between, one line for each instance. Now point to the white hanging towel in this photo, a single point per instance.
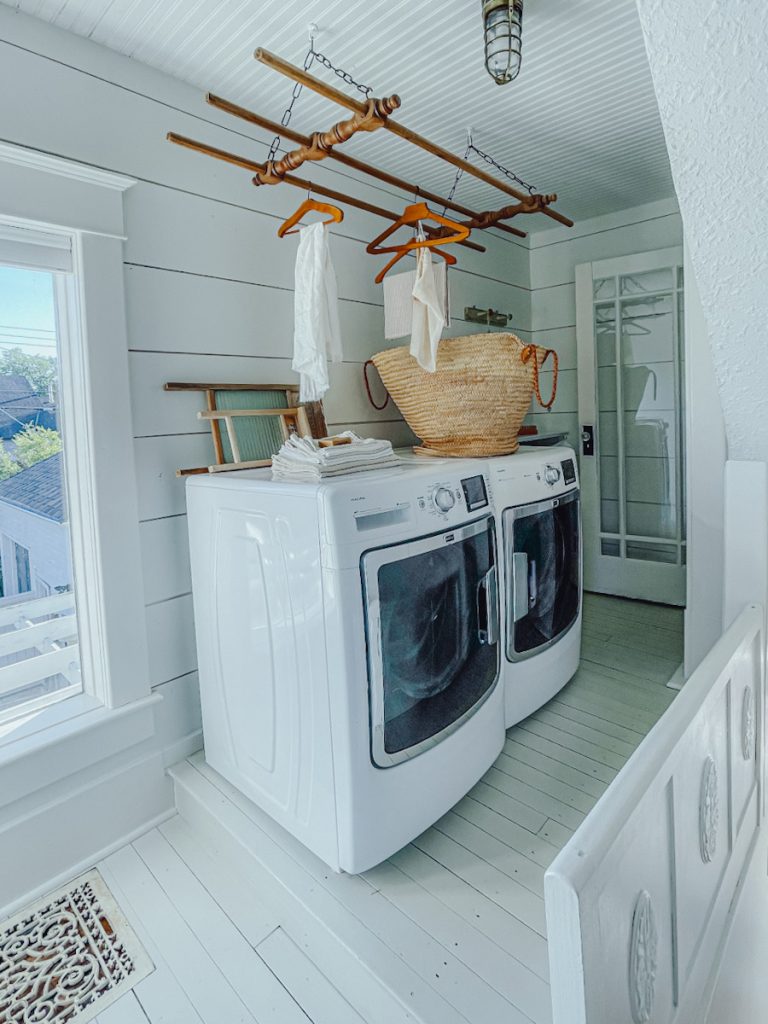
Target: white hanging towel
pixel 428 313
pixel 398 300
pixel 316 336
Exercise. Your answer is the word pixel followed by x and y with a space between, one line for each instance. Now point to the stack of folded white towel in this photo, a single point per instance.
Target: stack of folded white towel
pixel 302 458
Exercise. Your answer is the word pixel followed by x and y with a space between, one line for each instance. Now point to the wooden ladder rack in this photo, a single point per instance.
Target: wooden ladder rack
pixel 370 114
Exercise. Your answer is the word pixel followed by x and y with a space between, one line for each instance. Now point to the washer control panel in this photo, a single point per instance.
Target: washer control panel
pixel 452 499
pixel 444 499
pixel 551 474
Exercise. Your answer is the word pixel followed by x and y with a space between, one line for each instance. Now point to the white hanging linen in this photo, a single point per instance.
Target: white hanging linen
pixel 428 313
pixel 398 300
pixel 316 336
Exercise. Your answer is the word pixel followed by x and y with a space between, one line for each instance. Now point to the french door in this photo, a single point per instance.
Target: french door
pixel 629 325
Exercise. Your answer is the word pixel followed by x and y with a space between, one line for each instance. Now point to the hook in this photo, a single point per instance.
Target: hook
pixel 312 31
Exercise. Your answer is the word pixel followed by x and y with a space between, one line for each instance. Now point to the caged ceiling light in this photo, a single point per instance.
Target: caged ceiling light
pixel 502 29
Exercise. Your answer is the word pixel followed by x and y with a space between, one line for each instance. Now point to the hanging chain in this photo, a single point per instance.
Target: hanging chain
pixel 312 56
pixel 457 179
pixel 472 148
pixel 345 76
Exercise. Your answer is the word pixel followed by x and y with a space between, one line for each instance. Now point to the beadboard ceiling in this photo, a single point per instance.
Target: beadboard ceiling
pixel 581 119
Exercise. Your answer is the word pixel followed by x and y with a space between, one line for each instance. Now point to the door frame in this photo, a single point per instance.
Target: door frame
pixel 646 583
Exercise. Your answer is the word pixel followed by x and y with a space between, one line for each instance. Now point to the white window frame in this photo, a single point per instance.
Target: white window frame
pixel 85 204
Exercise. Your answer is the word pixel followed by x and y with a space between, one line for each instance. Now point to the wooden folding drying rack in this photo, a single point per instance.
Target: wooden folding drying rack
pixel 306 420
pixel 368 115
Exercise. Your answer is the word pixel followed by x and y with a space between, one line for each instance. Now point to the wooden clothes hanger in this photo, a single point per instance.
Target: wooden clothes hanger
pixel 412 215
pixel 335 214
pixel 450 232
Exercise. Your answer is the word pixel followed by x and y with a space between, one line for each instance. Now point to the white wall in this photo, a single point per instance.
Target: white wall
pixel 709 64
pixel 554 255
pixel 208 288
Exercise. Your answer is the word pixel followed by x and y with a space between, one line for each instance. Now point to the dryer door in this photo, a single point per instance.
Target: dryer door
pixel 432 633
pixel 542 571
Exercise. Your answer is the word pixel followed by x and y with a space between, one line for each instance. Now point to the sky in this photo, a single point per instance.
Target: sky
pixel 27 316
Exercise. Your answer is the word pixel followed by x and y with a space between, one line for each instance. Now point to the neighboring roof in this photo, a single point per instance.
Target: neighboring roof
pixel 18 399
pixel 38 489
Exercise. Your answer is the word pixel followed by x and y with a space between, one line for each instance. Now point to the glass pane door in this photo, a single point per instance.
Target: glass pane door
pixel 638 516
pixel 542 555
pixel 432 630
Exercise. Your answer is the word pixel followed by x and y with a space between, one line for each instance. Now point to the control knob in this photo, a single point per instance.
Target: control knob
pixel 551 475
pixel 444 499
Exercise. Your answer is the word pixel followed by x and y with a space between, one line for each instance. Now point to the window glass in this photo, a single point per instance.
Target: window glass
pixel 39 651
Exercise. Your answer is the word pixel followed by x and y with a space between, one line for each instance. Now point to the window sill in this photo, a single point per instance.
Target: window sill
pixel 68 737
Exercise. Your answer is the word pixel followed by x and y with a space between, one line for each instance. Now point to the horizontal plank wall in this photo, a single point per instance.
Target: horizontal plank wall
pixel 209 287
pixel 554 255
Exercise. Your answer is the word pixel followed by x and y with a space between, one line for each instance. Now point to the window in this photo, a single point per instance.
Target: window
pixel 39 637
pixel 23 578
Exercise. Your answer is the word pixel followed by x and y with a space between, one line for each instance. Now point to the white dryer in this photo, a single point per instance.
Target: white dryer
pixel 348 648
pixel 536 494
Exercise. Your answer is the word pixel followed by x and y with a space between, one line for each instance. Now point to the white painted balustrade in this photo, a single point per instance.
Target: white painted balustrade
pixel 46 626
pixel 640 900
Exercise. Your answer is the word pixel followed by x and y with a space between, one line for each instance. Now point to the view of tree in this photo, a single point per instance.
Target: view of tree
pixel 33 444
pixel 40 371
pixel 8 467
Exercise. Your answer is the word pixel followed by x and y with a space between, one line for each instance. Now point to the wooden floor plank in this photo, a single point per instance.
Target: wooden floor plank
pixel 160 995
pixel 525 944
pixel 560 753
pixel 321 1001
pixel 575 743
pixel 518 901
pixel 545 765
pixel 611 709
pixel 213 997
pixel 603 725
pixel 566 723
pixel 548 806
pixel 233 954
pixel 493 850
pixel 562 791
pixel 125 1010
pixel 508 832
pixel 556 833
pixel 516 991
pixel 342 967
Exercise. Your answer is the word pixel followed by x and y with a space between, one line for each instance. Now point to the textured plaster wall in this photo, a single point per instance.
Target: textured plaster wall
pixel 709 61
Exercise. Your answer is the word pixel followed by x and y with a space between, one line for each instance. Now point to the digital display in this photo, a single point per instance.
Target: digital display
pixel 474 492
pixel 569 471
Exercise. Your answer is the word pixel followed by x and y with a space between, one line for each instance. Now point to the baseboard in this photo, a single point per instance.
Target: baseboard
pixel 183 748
pixel 54 842
pixel 677 680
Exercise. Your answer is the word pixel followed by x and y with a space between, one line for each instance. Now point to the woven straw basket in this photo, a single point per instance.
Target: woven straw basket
pixel 475 401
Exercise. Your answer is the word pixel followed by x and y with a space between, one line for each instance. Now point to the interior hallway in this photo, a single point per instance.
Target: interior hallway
pixel 245 925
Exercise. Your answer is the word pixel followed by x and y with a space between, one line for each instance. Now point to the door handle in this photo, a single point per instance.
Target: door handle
pixel 587 439
pixel 488 608
pixel 520 606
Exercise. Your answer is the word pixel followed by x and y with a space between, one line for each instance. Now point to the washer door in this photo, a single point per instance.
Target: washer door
pixel 542 568
pixel 432 630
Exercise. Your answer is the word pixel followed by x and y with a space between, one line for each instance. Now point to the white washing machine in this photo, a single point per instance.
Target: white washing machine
pixel 536 495
pixel 348 648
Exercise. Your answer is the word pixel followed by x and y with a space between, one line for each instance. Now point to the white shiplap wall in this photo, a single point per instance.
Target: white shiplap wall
pixel 208 288
pixel 554 257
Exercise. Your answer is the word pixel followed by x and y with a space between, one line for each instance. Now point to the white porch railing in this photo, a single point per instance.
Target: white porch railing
pixel 639 901
pixel 45 626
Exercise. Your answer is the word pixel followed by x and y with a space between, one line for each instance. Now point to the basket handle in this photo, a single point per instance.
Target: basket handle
pixel 533 350
pixel 366 364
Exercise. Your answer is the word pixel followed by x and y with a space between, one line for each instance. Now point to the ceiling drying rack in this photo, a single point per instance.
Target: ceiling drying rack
pixel 368 115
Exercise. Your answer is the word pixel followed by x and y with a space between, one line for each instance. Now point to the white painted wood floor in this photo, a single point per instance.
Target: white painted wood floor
pixel 245 925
